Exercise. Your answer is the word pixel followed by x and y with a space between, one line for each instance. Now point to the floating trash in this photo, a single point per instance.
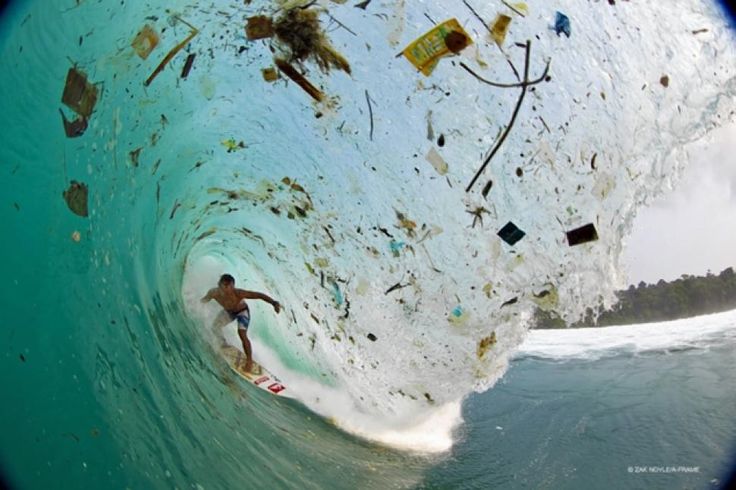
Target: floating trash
pixel 259 27
pixel 76 198
pixel 75 128
pixel 485 344
pixel 458 316
pixel 546 299
pixel 562 24
pixel 396 247
pixel 270 74
pixel 520 8
pixel 299 79
pixel 510 302
pixel 134 156
pixel 500 28
pixel 300 31
pixel 584 234
pixel 188 65
pixel 406 223
pixel 510 233
pixel 439 164
pixel 145 41
pixel 232 145
pixel 446 38
pixel 79 94
pixel 173 52
pixel 339 298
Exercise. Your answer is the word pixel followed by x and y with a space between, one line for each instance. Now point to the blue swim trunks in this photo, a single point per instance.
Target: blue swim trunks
pixel 243 318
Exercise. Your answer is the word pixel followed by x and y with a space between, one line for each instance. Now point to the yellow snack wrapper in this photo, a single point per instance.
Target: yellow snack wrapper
pixel 445 38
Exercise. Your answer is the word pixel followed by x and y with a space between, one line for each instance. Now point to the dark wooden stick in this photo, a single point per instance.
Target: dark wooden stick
pixel 511 123
pixel 300 80
pixel 507 85
pixel 171 54
pixel 342 25
pixel 188 65
pixel 370 111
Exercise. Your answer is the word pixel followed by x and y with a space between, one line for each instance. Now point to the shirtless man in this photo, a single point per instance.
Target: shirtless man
pixel 233 301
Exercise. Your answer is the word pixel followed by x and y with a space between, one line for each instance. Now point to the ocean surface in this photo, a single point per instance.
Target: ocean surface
pixel 642 406
pixel 409 223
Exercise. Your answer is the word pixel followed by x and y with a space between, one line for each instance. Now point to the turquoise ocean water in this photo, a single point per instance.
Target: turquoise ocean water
pixel 403 314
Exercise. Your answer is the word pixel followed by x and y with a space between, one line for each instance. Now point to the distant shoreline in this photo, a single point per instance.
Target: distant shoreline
pixel 686 297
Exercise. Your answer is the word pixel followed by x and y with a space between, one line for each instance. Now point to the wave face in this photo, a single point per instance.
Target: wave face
pixel 399 297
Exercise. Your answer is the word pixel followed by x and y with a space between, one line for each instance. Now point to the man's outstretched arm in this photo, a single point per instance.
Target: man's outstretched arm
pixel 243 294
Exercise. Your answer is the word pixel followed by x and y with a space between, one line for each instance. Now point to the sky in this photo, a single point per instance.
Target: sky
pixel 692 229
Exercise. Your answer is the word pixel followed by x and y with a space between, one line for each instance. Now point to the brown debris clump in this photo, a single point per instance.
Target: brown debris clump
pixel 299 29
pixel 76 198
pixel 485 344
pixel 457 41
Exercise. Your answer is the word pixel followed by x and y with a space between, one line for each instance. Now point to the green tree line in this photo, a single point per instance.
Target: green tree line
pixel 682 298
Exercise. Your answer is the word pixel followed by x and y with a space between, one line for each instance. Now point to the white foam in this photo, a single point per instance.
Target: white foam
pixel 593 343
pixel 431 433
pixel 428 431
pixel 199 277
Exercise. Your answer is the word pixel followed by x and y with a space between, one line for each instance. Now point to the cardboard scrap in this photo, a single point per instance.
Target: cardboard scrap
pixel 500 28
pixel 259 27
pixel 145 41
pixel 79 94
pixel 270 74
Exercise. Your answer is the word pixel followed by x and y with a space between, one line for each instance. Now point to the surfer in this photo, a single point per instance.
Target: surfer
pixel 233 302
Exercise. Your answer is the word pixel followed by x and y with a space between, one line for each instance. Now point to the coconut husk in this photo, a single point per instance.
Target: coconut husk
pixel 300 31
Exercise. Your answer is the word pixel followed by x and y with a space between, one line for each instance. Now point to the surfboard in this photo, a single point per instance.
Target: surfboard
pixel 259 376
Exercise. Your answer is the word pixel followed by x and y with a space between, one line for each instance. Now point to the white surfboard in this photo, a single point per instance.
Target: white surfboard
pixel 259 376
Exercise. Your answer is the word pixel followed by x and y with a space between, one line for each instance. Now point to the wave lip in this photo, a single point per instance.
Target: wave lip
pixel 594 343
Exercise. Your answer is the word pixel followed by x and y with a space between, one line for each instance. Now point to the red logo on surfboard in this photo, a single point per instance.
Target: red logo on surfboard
pixel 276 388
